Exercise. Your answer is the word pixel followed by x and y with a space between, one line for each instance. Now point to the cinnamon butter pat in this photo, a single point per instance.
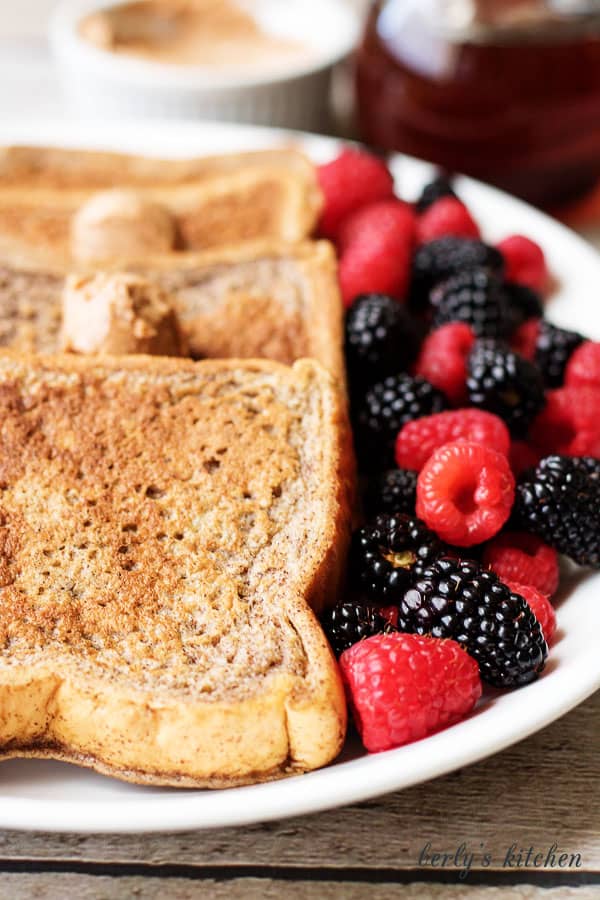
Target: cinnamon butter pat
pixel 120 223
pixel 119 313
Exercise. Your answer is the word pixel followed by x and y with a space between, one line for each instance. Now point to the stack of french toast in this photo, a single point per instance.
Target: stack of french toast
pixel 176 473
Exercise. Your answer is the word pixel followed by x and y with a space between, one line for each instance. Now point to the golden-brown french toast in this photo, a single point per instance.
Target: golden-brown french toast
pixel 167 530
pixel 212 201
pixel 271 300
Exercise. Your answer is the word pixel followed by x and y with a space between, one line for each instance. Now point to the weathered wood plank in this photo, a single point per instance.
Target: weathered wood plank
pixel 545 790
pixel 89 887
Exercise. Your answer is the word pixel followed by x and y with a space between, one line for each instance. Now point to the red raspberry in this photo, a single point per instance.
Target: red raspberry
pixel 402 687
pixel 418 439
pixel 376 247
pixel 447 216
pixel 443 359
pixel 389 613
pixel 465 492
pixel 540 607
pixel 387 217
pixel 524 339
pixel 569 423
pixel 521 557
pixel 352 180
pixel 522 456
pixel 524 262
pixel 584 366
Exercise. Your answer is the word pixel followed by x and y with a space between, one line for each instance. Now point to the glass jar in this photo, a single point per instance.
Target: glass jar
pixel 505 90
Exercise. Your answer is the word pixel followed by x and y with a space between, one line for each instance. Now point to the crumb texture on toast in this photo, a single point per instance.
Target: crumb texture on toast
pixel 164 528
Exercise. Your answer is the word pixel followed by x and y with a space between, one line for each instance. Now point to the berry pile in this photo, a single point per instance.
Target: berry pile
pixel 477 432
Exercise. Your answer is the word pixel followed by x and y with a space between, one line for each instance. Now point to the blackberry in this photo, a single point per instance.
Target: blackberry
pixel 385 408
pixel 560 502
pixel 475 297
pixel 381 338
pixel 553 350
pixel 395 491
pixel 504 383
pixel 348 623
pixel 437 260
pixel 462 601
pixel 389 552
pixel 523 302
pixel 441 186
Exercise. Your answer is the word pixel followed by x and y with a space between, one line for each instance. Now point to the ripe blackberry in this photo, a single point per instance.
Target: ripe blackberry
pixel 385 408
pixel 560 502
pixel 475 297
pixel 504 383
pixel 437 260
pixel 395 491
pixel 441 186
pixel 462 601
pixel 381 338
pixel 348 623
pixel 389 552
pixel 553 351
pixel 523 301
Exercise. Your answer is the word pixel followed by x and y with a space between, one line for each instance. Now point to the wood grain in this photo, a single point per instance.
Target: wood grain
pixel 545 790
pixel 86 887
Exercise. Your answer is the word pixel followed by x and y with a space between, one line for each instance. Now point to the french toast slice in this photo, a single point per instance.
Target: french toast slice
pixel 271 194
pixel 271 300
pixel 168 531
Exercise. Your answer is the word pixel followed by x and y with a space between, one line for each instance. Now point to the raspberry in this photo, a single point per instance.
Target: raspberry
pixel 348 623
pixel 387 552
pixel 465 492
pixel 539 605
pixel 525 262
pixel 381 338
pixel 460 600
pixel 402 687
pixel 447 216
pixel 584 366
pixel 390 217
pixel 390 614
pixel 441 186
pixel 524 558
pixel 443 359
pixel 524 339
pixel 352 180
pixel 522 456
pixel 570 422
pixel 417 440
pixel 475 297
pixel 504 383
pixel 560 502
pixel 376 248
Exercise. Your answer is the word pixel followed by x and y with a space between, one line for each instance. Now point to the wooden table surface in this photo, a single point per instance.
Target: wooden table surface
pixel 543 793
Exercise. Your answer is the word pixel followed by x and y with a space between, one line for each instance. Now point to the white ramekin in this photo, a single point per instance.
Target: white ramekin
pixel 98 83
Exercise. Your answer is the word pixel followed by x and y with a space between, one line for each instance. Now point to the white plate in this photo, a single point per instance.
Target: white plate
pixel 57 797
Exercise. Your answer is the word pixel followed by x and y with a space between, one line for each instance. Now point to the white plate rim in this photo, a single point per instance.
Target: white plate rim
pixel 572 675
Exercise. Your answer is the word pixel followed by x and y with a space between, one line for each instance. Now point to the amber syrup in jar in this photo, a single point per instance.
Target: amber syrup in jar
pixel 513 100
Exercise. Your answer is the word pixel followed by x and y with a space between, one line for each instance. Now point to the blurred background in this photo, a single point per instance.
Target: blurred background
pixel 506 90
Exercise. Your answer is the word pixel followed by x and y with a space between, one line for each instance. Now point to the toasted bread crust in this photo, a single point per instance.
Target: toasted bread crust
pixel 292 720
pixel 214 201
